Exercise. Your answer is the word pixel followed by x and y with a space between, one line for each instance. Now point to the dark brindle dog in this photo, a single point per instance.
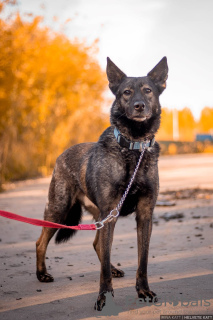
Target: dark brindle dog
pixel 95 176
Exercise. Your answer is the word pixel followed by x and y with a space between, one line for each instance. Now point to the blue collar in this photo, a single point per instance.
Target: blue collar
pixel 132 145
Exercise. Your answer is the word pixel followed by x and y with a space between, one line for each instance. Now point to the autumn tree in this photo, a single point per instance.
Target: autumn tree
pixel 206 121
pixel 50 96
pixel 166 128
pixel 187 125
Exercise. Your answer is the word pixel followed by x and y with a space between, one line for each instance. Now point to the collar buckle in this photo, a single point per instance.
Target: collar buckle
pixel 132 145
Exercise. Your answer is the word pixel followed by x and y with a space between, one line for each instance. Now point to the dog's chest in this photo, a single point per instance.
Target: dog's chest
pixel 109 174
pixel 141 184
pixel 128 167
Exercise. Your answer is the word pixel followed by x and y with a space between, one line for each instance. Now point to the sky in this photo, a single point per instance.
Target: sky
pixel 136 34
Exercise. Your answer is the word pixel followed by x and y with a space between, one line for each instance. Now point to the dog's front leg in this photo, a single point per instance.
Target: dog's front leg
pixel 106 236
pixel 144 230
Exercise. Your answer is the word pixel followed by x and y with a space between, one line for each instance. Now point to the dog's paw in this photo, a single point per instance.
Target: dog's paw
pixel 143 294
pixel 101 301
pixel 44 277
pixel 117 273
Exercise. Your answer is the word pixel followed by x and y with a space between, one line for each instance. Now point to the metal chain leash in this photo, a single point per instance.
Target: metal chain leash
pixel 111 215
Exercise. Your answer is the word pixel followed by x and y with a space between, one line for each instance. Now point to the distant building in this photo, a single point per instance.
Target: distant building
pixel 204 137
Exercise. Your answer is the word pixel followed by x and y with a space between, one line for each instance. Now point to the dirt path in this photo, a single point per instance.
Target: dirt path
pixel 180 259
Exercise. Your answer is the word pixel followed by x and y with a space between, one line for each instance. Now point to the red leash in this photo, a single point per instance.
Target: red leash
pixel 42 223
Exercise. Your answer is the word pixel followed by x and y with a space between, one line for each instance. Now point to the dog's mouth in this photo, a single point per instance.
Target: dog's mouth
pixel 139 118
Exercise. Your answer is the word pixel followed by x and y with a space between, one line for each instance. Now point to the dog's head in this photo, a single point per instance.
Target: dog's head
pixel 137 98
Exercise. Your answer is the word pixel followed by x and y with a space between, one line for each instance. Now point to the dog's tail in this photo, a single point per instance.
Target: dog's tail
pixel 73 218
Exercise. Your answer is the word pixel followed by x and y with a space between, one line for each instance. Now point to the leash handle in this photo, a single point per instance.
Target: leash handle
pixel 43 223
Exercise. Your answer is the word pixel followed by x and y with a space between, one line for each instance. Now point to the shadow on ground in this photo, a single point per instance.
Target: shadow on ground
pixel 125 301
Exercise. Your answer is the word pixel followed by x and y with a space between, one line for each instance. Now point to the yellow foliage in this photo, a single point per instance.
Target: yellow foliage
pixel 208 149
pixel 172 148
pixel 206 121
pixel 50 96
pixel 166 129
pixel 186 125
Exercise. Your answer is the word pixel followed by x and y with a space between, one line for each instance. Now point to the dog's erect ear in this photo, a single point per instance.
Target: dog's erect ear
pixel 114 75
pixel 159 74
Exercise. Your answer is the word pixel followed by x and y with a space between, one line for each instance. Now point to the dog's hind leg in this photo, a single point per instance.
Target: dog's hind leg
pixel 57 208
pixel 41 247
pixel 116 273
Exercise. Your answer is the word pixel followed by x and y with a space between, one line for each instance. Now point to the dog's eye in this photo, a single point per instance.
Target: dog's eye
pixel 127 92
pixel 147 90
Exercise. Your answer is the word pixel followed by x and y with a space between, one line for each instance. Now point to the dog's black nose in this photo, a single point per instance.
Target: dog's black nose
pixel 139 105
